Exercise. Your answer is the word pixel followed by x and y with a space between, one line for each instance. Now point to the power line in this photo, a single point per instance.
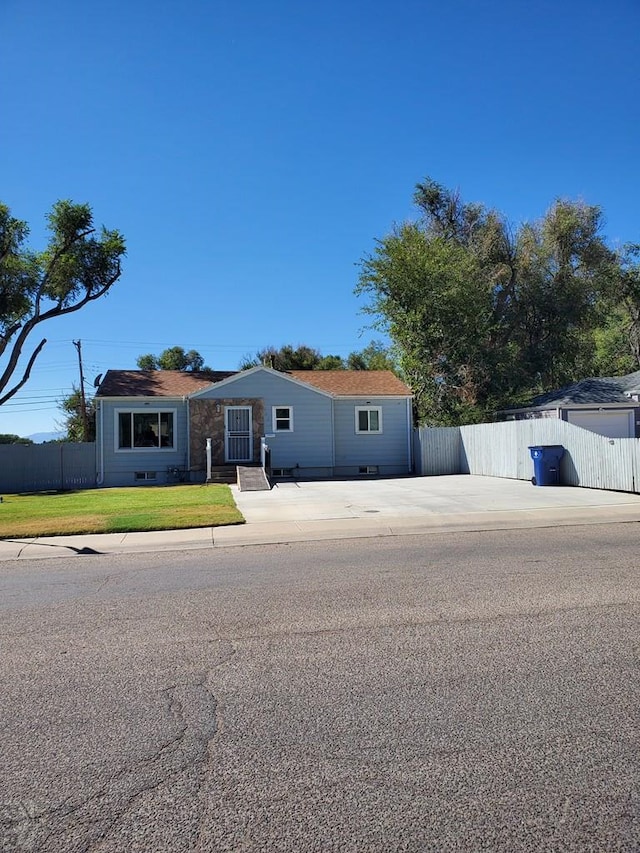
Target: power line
pixel 28 411
pixel 37 397
pixel 31 403
pixel 51 403
pixel 208 345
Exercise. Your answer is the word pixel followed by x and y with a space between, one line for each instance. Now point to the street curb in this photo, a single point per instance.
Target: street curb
pixel 282 533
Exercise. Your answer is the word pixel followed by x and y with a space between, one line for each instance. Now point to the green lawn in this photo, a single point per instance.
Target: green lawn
pixel 117 510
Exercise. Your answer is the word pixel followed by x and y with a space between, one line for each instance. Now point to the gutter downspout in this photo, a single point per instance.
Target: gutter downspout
pixel 333 438
pixel 187 400
pixel 100 477
pixel 409 435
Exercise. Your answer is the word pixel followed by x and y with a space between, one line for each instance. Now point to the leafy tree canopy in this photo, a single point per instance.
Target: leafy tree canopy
pixel 76 267
pixel 73 420
pixel 286 357
pixel 173 358
pixel 483 315
pixel 375 356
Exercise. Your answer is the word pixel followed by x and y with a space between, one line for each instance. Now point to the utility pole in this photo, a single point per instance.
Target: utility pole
pixel 83 402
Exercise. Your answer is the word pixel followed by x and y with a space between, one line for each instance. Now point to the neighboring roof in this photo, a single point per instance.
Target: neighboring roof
pixel 157 383
pixel 177 383
pixel 354 383
pixel 605 389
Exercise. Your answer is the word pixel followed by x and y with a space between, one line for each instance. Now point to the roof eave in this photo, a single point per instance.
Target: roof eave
pixel 375 395
pixel 631 404
pixel 261 368
pixel 143 397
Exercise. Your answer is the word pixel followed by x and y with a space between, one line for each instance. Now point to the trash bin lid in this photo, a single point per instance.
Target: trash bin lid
pixel 549 450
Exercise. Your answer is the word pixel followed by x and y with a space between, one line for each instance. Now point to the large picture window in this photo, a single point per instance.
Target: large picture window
pixel 145 430
pixel 369 419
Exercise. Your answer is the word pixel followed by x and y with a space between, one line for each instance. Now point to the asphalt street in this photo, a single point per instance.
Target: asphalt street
pixel 449 691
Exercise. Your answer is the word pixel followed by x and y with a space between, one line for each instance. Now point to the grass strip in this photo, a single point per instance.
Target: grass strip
pixel 117 510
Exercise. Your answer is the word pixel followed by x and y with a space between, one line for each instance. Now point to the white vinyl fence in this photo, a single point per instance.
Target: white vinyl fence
pixel 502 450
pixel 47 467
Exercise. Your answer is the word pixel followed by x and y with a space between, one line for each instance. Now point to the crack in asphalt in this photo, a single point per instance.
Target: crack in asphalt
pixel 81 826
pixel 105 580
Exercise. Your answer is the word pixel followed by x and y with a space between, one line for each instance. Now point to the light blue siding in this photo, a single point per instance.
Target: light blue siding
pixel 310 444
pixel 388 450
pixel 119 466
pixel 322 443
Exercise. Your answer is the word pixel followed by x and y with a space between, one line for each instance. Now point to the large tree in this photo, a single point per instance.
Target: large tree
pixel 288 357
pixel 483 315
pixel 375 356
pixel 626 298
pixel 173 358
pixel 78 266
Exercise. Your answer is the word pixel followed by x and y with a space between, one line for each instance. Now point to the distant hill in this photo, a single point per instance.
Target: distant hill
pixel 40 437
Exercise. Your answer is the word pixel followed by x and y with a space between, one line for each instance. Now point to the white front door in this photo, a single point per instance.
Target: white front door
pixel 238 434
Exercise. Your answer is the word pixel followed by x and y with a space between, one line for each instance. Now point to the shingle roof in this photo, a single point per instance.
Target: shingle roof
pixel 177 383
pixel 354 383
pixel 606 389
pixel 157 383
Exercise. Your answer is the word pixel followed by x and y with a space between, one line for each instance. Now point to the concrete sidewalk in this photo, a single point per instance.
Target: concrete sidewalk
pixel 307 511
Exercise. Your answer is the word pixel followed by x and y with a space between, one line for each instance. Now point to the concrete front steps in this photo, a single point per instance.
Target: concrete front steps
pixel 249 478
pixel 224 474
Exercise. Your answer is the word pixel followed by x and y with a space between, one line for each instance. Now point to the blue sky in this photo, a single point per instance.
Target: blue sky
pixel 251 152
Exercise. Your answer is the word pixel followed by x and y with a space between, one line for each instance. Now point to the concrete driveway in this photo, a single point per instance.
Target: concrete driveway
pixel 421 497
pixel 298 511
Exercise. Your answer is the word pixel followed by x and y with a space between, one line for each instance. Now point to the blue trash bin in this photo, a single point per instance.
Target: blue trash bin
pixel 546 464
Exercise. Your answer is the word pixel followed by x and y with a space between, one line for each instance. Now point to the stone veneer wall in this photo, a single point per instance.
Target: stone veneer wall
pixel 207 422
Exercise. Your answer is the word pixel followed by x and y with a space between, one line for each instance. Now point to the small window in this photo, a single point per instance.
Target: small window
pixel 369 419
pixel 282 418
pixel 368 469
pixel 145 475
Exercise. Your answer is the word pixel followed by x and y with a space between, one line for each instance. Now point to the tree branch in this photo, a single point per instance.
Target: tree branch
pixel 60 252
pixel 75 268
pixel 25 375
pixel 4 339
pixel 28 327
pixel 58 311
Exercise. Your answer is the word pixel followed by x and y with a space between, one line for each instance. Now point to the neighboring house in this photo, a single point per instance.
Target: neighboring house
pixel 330 423
pixel 609 406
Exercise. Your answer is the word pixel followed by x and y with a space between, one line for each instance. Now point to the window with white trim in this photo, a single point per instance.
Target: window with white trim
pixel 368 419
pixel 145 430
pixel 282 418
